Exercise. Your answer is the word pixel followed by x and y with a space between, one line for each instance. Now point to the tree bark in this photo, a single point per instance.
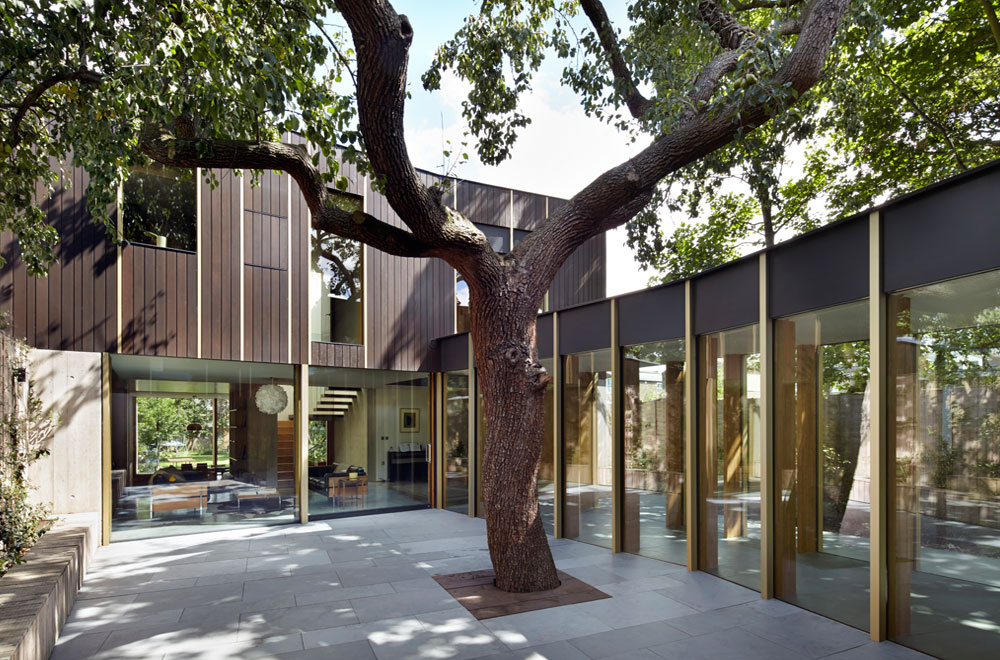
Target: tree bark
pixel 513 383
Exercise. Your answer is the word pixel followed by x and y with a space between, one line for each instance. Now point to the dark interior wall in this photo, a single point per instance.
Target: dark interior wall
pixel 75 307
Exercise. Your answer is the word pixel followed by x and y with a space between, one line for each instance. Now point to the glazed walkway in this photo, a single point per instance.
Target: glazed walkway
pixel 361 588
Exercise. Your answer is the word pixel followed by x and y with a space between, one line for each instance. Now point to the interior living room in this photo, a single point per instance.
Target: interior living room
pixel 369 440
pixel 199 443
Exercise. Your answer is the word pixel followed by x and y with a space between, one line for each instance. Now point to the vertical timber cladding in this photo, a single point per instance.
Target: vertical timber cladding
pixel 265 268
pixel 75 307
pixel 159 301
pixel 219 251
pixel 407 299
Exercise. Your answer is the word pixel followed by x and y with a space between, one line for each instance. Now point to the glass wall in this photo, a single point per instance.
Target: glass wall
pixel 944 434
pixel 456 441
pixel 729 441
pixel 653 377
pixel 587 446
pixel 822 460
pixel 199 445
pixel 369 443
pixel 335 289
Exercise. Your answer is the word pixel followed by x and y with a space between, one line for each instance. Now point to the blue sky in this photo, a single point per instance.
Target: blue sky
pixel 559 153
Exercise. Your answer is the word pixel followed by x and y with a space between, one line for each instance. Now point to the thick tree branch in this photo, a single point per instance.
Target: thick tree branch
pixel 613 197
pixel 708 80
pixel 637 104
pixel 32 97
pixel 730 31
pixel 382 40
pixel 765 4
pixel 167 149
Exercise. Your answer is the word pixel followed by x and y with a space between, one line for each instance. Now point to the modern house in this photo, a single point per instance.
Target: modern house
pixel 819 421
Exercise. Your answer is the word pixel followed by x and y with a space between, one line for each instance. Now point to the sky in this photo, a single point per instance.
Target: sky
pixel 559 153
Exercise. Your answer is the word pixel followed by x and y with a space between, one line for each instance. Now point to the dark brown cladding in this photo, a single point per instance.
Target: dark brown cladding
pixel 219 245
pixel 338 355
pixel 253 255
pixel 408 301
pixel 265 268
pixel 159 302
pixel 75 306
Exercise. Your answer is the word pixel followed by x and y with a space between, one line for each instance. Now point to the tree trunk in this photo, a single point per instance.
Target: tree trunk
pixel 513 386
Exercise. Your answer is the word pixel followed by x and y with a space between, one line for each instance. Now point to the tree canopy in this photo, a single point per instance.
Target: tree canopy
pixel 909 98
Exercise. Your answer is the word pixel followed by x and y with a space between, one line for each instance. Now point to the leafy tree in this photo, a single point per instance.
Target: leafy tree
pixel 162 428
pixel 911 100
pixel 203 83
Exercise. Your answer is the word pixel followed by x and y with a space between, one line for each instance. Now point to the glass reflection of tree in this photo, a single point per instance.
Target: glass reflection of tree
pixel 160 202
pixel 339 261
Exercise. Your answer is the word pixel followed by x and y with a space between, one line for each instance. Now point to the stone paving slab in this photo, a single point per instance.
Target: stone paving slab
pixel 364 588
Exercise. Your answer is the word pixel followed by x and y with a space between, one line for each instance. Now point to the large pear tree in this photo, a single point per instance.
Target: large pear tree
pixel 216 83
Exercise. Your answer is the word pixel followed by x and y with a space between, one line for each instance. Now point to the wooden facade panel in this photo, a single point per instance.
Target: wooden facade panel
pixel 485 204
pixel 337 355
pixel 529 210
pixel 221 219
pixel 581 277
pixel 158 309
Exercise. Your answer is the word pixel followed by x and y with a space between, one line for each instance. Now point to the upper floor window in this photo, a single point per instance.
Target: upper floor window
pixel 160 207
pixel 336 291
pixel 463 319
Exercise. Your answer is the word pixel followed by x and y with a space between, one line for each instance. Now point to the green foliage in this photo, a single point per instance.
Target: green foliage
pixel 317 442
pixel 162 430
pixel 910 98
pixel 24 433
pixel 91 76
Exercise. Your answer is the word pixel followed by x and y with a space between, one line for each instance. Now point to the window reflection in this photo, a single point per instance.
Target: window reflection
pixel 653 377
pixel 335 289
pixel 160 207
pixel 587 447
pixel 944 431
pixel 822 456
pixel 456 438
pixel 729 437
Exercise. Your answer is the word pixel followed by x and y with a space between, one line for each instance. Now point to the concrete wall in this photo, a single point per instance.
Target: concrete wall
pixel 350 434
pixel 69 383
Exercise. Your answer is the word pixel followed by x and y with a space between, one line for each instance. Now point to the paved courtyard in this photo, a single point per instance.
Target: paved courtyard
pixel 362 588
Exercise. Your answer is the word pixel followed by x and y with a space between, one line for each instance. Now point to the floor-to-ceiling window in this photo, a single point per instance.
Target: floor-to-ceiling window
pixel 369 440
pixel 821 461
pixel 456 441
pixel 199 445
pixel 944 435
pixel 587 447
pixel 729 460
pixel 653 378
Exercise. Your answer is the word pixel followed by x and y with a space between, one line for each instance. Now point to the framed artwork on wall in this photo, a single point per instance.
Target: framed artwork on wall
pixel 409 420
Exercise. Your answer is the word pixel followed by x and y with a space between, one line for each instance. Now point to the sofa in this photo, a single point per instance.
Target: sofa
pixel 323 477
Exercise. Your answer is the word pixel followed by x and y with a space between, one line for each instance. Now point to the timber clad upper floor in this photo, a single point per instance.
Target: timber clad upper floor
pixel 244 293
